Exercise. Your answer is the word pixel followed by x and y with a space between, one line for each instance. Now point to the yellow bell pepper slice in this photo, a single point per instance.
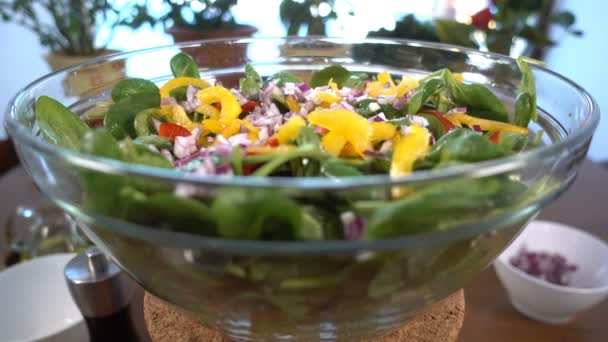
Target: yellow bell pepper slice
pixel 233 128
pixel 333 85
pixel 406 84
pixel 254 132
pixel 230 105
pixel 208 111
pixel 293 104
pixel 327 98
pixel 212 126
pixel 179 116
pixel 261 150
pixel 486 125
pixel 384 78
pixel 290 130
pixel 177 82
pixel 382 131
pixel 352 127
pixel 333 143
pixel 408 149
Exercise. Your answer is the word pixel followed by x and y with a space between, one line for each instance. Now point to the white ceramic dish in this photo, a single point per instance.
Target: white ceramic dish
pixel 36 304
pixel 550 303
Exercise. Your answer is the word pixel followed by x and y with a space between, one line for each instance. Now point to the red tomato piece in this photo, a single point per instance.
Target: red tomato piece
pixel 273 142
pixel 249 106
pixel 447 125
pixel 171 131
pixel 495 138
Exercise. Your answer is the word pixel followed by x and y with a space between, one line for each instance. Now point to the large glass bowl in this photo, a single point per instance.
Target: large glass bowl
pixel 305 291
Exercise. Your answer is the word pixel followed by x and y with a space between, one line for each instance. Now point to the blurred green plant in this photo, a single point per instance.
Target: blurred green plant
pixel 74 23
pixel 199 14
pixel 496 27
pixel 310 14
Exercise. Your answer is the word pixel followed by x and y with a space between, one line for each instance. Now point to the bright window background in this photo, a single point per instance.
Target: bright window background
pixel 21 59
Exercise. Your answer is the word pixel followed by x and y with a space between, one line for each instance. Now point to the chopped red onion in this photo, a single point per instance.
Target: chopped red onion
pixel 373 153
pixel 356 92
pixel 380 117
pixel 553 268
pixel 168 101
pixel 304 87
pixel 185 146
pixel 409 94
pixel 477 128
pixel 354 226
pixel 186 160
pixel 320 130
pixel 400 103
pixel 460 110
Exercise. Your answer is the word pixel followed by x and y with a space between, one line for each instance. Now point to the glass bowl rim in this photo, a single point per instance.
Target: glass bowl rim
pixel 22 134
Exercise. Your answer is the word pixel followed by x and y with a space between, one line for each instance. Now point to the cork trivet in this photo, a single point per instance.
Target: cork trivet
pixel 440 323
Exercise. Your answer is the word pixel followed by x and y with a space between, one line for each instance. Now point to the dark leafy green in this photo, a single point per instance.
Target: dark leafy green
pixel 475 96
pixel 183 65
pixel 423 94
pixel 283 77
pixel 334 168
pixel 132 86
pixel 435 126
pixel 525 103
pixel 441 205
pixel 336 73
pixel 179 93
pixel 252 82
pixel 119 120
pixel 58 124
pixel 464 145
pixel 102 189
pixel 172 212
pixel 257 215
pixel 142 123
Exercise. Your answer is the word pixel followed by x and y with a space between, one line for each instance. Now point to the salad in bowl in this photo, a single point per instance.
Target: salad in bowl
pixel 317 194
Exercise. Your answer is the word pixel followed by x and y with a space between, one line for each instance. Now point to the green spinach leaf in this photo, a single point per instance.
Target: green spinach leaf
pixel 119 120
pixel 283 77
pixel 423 94
pixel 132 86
pixel 254 215
pixel 252 82
pixel 439 206
pixel 102 189
pixel 336 169
pixel 464 145
pixel 475 97
pixel 183 65
pixel 336 73
pixel 525 102
pixel 172 212
pixel 58 124
pixel 435 126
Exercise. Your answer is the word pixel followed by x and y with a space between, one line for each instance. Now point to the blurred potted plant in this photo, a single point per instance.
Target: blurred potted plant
pixel 203 19
pixel 308 18
pixel 71 33
pixel 497 27
pixel 311 15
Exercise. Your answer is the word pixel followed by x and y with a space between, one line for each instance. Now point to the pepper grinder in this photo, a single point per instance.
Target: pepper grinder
pixel 102 292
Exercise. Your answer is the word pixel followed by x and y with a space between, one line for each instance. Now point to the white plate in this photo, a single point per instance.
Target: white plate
pixel 36 305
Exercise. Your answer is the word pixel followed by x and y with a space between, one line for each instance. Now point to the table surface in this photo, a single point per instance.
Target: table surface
pixel 489 315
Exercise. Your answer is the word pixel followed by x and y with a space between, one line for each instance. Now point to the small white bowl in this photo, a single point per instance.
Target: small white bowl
pixel 544 301
pixel 36 305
